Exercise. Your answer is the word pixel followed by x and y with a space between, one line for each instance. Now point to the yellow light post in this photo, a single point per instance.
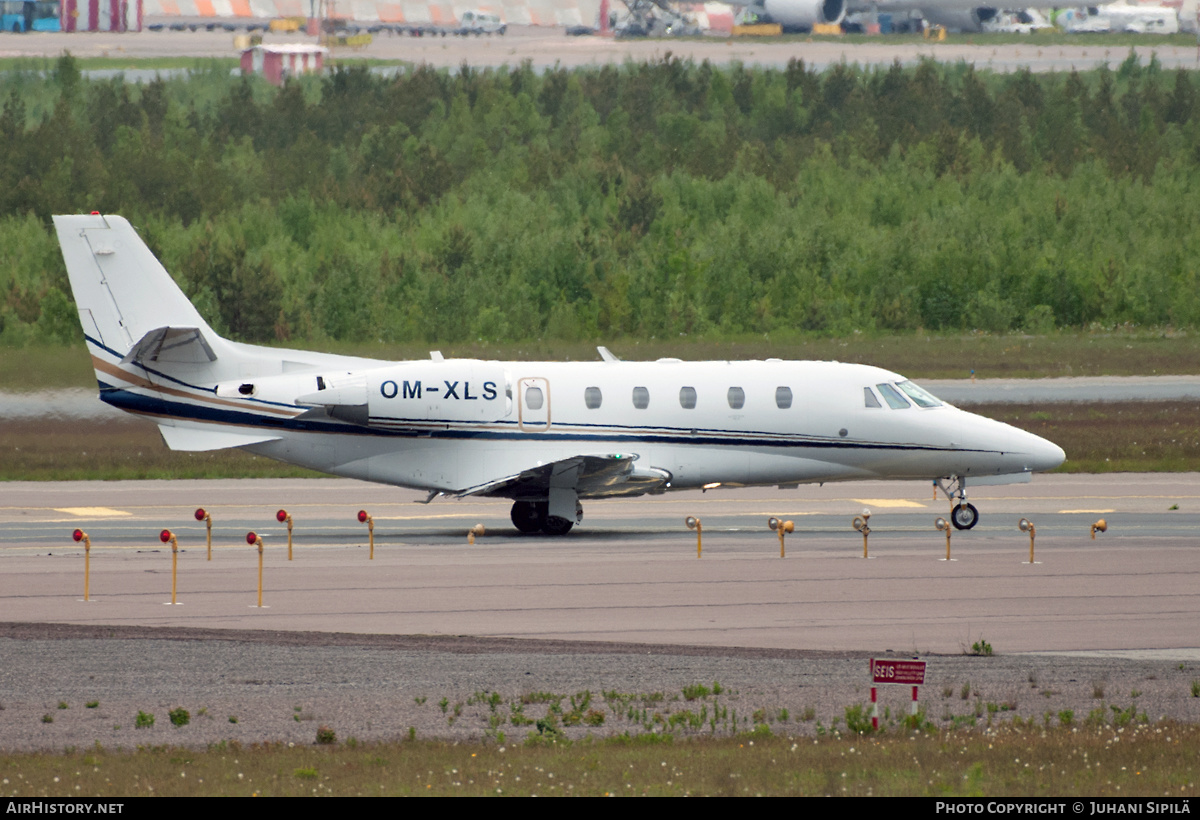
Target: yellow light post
pixel 693 523
pixel 165 536
pixel 1025 525
pixel 80 535
pixel 255 541
pixel 365 518
pixel 281 517
pixel 781 527
pixel 478 529
pixel 863 525
pixel 944 525
pixel 201 515
pixel 1099 526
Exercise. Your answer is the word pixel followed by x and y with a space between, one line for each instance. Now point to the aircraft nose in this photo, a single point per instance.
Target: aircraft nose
pixel 1044 455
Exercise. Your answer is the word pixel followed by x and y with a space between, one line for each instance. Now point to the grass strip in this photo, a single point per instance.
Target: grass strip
pixel 1147 760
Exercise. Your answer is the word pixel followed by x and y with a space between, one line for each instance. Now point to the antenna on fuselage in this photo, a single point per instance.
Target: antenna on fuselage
pixel 606 354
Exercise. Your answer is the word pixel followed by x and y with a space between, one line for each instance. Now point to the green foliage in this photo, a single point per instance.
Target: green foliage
pixel 144 720
pixel 325 735
pixel 981 647
pixel 179 716
pixel 858 720
pixel 650 200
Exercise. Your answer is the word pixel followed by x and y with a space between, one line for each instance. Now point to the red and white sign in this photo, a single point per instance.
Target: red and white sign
pixel 910 673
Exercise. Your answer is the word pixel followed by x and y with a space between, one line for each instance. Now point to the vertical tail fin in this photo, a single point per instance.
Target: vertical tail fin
pixel 122 291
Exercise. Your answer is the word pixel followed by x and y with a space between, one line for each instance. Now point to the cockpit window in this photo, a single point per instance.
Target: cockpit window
pixel 918 395
pixel 869 398
pixel 892 396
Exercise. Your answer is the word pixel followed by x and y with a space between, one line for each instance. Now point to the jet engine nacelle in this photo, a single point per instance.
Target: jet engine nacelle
pixel 455 390
pixel 959 19
pixel 804 14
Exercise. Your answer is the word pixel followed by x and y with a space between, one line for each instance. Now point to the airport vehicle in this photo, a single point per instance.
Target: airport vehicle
pixel 19 16
pixel 481 22
pixel 543 434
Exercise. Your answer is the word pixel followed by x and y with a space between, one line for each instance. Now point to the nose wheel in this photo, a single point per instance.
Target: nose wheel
pixel 964 516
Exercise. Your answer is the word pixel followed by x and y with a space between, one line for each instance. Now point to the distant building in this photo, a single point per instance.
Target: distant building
pixel 102 15
pixel 278 62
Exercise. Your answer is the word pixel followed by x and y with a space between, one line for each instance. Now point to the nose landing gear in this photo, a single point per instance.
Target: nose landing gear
pixel 963 516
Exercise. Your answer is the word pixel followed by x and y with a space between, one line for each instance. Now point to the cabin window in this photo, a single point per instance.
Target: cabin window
pixel 592 398
pixel 869 398
pixel 737 398
pixel 641 398
pixel 918 395
pixel 533 398
pixel 783 397
pixel 892 396
pixel 687 398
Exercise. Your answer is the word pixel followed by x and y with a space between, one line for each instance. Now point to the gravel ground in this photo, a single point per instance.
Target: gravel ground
pixel 280 686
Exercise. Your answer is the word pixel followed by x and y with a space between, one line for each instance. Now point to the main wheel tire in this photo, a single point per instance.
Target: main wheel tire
pixel 527 516
pixel 964 516
pixel 554 525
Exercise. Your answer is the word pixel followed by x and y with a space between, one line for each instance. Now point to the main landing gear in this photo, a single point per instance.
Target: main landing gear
pixel 963 516
pixel 534 516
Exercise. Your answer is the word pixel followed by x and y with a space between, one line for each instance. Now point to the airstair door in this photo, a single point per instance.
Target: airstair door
pixel 534 404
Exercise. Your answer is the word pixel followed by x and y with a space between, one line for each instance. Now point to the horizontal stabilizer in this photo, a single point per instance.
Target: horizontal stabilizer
pixel 198 439
pixel 182 345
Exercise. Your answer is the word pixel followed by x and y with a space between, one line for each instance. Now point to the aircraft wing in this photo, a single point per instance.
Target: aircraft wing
pixel 590 476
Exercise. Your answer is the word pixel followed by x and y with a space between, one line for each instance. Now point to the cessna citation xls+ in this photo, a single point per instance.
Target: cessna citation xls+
pixel 544 434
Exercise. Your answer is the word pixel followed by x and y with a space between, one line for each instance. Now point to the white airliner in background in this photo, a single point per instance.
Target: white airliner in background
pixel 959 15
pixel 544 434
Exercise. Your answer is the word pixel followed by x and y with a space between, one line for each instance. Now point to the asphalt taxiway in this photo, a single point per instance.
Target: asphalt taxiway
pixel 630 573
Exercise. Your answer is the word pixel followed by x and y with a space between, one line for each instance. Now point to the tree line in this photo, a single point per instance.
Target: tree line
pixel 645 200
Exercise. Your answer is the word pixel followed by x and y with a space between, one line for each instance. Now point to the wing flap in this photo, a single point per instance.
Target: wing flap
pixel 591 476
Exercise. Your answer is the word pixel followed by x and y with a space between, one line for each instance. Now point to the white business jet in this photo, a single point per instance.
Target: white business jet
pixel 544 434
